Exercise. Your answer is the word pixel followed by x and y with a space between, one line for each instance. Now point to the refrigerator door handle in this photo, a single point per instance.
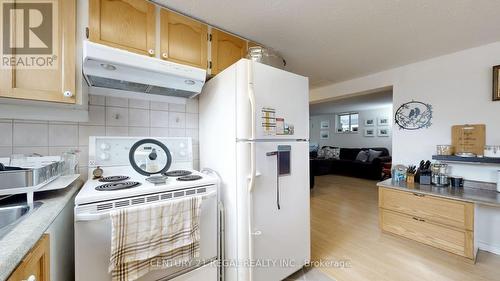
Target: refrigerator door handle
pixel 251 97
pixel 276 153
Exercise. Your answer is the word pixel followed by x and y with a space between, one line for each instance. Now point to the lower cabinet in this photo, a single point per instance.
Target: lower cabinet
pixel 442 223
pixel 36 264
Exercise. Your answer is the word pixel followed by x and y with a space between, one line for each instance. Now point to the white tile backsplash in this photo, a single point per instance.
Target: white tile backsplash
pixel 6 134
pixel 31 134
pixel 116 116
pixel 176 132
pixel 191 121
pixel 176 120
pixel 156 105
pixel 158 132
pixel 192 106
pixel 159 118
pixel 116 131
pixel 173 107
pixel 5 151
pixel 119 102
pixel 63 135
pixel 138 117
pixel 138 131
pixel 97 100
pixel 97 115
pixel 142 104
pixel 31 150
pixel 108 116
pixel 84 132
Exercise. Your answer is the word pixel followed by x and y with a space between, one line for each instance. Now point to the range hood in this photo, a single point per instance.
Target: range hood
pixel 118 73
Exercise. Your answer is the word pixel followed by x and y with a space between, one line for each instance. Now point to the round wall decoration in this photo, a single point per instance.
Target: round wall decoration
pixel 414 115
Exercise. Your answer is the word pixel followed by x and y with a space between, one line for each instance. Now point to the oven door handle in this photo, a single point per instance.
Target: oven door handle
pixel 91 217
pixel 101 216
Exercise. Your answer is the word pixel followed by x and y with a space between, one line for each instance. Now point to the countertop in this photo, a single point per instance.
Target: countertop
pixel 473 195
pixel 17 243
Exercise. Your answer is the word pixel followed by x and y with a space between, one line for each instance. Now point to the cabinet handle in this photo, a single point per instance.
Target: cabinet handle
pixel 151 52
pixel 31 278
pixel 419 195
pixel 68 94
pixel 164 55
pixel 418 219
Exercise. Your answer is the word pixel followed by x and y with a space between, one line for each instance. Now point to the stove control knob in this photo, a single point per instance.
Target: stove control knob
pixel 104 156
pixel 182 145
pixel 105 146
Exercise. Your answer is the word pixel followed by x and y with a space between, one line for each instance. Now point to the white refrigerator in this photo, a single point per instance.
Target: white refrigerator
pixel 254 130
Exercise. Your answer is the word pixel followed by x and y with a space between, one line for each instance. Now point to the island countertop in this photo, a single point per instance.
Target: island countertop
pixel 473 195
pixel 18 242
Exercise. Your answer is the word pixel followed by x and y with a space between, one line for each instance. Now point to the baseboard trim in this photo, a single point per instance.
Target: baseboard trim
pixel 494 249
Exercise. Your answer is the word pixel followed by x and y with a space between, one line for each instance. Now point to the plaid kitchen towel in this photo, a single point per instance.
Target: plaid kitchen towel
pixel 144 235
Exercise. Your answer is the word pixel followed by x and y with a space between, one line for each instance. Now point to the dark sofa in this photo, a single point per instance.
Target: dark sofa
pixel 348 165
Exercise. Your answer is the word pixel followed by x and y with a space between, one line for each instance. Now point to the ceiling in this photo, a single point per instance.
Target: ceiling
pixel 355 103
pixel 336 40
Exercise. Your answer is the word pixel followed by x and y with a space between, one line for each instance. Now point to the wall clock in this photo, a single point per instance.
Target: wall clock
pixel 413 115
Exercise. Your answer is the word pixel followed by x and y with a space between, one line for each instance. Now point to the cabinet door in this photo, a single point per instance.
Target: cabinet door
pixel 226 50
pixel 183 40
pixel 36 264
pixel 54 84
pixel 124 24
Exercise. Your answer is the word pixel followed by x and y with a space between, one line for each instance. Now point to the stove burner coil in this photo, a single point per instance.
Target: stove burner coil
pixel 178 173
pixel 117 186
pixel 114 179
pixel 189 178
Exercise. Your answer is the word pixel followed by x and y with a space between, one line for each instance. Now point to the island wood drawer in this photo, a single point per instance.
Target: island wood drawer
pixel 450 239
pixel 443 211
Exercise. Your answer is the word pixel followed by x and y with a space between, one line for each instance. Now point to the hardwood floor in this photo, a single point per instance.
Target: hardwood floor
pixel 344 222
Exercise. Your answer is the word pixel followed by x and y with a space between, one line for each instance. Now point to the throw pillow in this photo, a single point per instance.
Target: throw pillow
pixel 329 153
pixel 336 153
pixel 374 154
pixel 363 156
pixel 321 153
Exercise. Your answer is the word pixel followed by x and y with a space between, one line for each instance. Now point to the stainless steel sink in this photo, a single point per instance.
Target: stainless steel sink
pixel 12 215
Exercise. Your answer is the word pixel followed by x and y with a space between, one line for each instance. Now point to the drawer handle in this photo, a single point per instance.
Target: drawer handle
pixel 418 219
pixel 419 195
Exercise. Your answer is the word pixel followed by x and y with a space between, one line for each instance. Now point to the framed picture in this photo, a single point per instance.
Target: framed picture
pixel 370 132
pixel 325 124
pixel 324 135
pixel 496 83
pixel 369 122
pixel 383 121
pixel 383 132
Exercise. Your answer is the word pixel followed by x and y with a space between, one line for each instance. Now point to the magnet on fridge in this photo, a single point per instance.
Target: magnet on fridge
pixel 280 126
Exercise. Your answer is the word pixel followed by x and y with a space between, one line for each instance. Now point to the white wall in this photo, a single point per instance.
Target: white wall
pixel 459 87
pixel 356 140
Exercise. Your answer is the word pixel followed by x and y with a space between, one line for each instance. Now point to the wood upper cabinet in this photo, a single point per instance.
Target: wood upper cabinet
pixel 36 264
pixel 183 40
pixel 124 24
pixel 54 79
pixel 226 50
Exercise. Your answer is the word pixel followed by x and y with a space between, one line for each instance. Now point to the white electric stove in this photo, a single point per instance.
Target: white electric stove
pixel 122 186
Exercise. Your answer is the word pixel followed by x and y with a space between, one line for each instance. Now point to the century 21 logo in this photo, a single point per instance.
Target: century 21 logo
pixel 27 28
